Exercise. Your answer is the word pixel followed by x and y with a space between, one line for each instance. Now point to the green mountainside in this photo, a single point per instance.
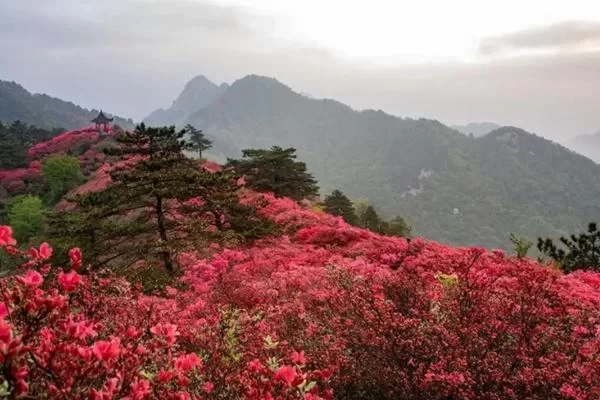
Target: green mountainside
pixel 43 111
pixel 450 187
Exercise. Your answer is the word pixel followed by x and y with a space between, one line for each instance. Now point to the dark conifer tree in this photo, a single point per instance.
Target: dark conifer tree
pixel 199 142
pixel 275 170
pixel 156 205
pixel 338 204
pixel 577 252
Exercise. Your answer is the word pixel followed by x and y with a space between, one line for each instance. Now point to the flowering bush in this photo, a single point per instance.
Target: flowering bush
pixel 325 311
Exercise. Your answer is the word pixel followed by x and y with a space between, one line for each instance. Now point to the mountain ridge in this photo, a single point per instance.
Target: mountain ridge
pixel 45 111
pixel 451 187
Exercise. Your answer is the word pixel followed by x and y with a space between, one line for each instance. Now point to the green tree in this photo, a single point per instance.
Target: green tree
pixel 156 205
pixel 521 245
pixel 60 173
pixel 26 216
pixel 275 170
pixel 398 227
pixel 338 204
pixel 577 252
pixel 370 219
pixel 198 140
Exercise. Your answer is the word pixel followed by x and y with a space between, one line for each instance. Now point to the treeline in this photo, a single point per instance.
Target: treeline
pixel 16 138
pixel 362 214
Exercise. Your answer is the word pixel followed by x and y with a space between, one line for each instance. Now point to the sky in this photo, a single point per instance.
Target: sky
pixel 529 63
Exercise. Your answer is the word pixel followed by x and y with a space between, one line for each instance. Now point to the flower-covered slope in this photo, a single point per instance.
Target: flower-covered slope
pixel 324 311
pixel 84 143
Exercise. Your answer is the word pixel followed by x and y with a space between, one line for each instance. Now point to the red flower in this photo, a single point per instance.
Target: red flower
pixel 6 238
pixel 75 257
pixel 106 350
pixel 3 310
pixel 140 389
pixel 6 332
pixel 44 253
pixel 286 374
pixel 69 281
pixel 31 278
pixel 298 358
pixel 254 365
pixel 187 362
pixel 169 331
pixel 208 387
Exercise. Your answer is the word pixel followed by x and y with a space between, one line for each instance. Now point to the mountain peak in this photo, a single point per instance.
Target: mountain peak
pixel 198 93
pixel 260 82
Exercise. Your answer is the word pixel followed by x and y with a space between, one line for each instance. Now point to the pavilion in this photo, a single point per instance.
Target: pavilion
pixel 102 122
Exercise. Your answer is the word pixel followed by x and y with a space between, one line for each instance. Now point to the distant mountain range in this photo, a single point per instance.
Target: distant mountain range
pixel 450 186
pixel 477 129
pixel 43 111
pixel 588 145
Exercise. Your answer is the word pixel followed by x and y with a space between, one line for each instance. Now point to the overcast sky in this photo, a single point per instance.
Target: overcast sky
pixel 530 63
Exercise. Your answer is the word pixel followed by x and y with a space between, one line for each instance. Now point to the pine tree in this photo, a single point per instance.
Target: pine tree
pixel 338 204
pixel 275 170
pixel 370 220
pixel 578 252
pixel 159 203
pixel 198 140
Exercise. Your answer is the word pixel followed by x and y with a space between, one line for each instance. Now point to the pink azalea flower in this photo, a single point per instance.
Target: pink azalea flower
pixel 31 278
pixel 187 362
pixel 298 358
pixel 106 350
pixel 208 387
pixel 168 331
pixel 286 374
pixel 75 257
pixel 69 281
pixel 6 238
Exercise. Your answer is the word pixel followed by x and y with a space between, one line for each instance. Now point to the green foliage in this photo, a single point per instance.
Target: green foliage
pixel 577 252
pixel 368 218
pixel 275 170
pixel 198 140
pixel 506 181
pixel 338 204
pixel 398 227
pixel 521 245
pixel 26 216
pixel 15 139
pixel 60 173
pixel 156 206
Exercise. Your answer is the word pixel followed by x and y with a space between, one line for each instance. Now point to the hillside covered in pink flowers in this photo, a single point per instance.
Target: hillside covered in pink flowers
pixel 323 310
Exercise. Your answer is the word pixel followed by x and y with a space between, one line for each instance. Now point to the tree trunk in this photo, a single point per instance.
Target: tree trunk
pixel 160 217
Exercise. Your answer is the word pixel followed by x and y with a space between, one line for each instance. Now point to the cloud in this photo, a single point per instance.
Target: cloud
pixel 564 36
pixel 132 56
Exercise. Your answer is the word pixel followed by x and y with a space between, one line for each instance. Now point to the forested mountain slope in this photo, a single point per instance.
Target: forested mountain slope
pixel 43 111
pixel 451 187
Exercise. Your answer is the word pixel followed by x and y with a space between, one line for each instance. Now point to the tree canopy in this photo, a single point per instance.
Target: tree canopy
pixel 275 170
pixel 338 204
pixel 577 252
pixel 60 173
pixel 159 202
pixel 199 142
pixel 26 216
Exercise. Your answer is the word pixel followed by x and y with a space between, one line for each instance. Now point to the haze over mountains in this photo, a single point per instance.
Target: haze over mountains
pixel 450 186
pixel 588 145
pixel 43 111
pixel 477 129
